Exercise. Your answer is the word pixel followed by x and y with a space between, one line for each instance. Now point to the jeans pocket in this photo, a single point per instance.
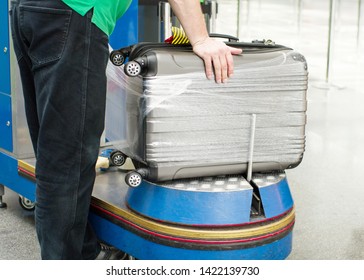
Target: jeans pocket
pixel 44 32
pixel 13 28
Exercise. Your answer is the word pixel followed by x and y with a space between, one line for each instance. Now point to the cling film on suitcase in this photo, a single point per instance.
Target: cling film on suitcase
pixel 179 124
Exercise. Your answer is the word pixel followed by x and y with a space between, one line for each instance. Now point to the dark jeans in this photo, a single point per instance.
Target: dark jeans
pixel 62 58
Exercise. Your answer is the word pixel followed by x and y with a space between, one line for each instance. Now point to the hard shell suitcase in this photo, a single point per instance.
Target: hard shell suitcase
pixel 182 125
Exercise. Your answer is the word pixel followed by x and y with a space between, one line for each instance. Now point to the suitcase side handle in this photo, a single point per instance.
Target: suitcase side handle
pixel 224 36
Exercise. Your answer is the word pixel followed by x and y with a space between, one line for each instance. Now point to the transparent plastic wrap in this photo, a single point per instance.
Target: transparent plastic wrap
pixel 115 119
pixel 180 124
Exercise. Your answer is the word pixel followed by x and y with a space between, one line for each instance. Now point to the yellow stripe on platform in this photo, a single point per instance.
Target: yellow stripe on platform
pixel 26 166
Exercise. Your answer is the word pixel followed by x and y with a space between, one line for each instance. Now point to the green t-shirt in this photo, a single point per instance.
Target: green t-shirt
pixel 106 12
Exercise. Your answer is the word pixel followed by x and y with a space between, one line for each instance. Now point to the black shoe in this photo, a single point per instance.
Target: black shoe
pixel 110 253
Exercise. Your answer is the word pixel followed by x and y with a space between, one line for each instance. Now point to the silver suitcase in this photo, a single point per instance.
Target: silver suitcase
pixel 181 125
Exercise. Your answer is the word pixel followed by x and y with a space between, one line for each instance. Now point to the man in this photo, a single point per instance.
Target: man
pixel 62 51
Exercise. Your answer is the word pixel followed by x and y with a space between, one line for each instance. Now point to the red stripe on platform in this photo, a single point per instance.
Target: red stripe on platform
pixel 26 172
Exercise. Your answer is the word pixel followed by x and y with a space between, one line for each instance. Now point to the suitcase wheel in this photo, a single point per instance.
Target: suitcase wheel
pixel 117 58
pixel 117 158
pixel 133 179
pixel 132 68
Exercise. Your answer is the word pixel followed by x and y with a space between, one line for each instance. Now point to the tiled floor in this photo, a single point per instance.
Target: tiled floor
pixel 17 231
pixel 327 187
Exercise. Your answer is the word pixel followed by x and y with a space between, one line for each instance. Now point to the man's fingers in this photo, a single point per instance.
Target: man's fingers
pixel 220 66
pixel 235 51
pixel 208 68
pixel 230 64
pixel 217 69
pixel 230 60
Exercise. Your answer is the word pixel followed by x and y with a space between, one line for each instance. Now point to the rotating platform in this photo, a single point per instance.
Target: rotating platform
pixel 203 218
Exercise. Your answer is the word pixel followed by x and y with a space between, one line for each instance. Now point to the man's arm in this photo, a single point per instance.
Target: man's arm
pixel 216 55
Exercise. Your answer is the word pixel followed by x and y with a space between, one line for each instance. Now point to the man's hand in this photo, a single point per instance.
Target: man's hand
pixel 218 58
pixel 216 55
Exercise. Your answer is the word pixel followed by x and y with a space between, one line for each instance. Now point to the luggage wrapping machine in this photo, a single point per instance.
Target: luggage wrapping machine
pixel 210 159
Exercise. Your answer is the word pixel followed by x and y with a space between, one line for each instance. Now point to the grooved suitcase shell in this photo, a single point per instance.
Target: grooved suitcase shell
pixel 182 125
